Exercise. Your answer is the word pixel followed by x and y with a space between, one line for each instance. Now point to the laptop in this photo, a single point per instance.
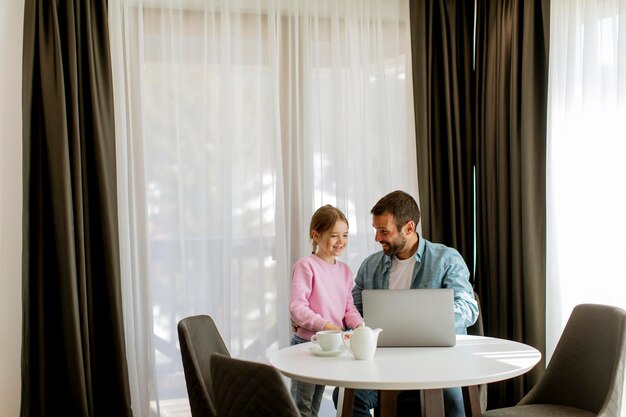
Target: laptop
pixel 411 318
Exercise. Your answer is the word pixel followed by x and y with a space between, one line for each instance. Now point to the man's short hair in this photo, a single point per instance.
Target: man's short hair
pixel 400 205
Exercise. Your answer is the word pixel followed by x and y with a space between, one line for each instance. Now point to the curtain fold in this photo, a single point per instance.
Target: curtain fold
pixel 441 40
pixel 511 101
pixel 73 355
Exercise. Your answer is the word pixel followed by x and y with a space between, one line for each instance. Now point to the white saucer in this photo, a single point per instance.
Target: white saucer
pixel 317 351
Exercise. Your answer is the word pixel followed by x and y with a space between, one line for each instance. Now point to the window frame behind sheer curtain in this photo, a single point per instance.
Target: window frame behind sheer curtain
pixel 330 111
pixel 586 153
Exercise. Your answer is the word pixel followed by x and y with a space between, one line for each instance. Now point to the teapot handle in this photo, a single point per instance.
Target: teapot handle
pixel 346 339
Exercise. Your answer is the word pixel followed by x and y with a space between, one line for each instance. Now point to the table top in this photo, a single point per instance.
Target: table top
pixel 473 360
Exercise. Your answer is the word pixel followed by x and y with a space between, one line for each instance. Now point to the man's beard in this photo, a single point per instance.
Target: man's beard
pixel 396 246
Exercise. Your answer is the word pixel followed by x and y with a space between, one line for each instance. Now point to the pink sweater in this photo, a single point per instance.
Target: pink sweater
pixel 321 293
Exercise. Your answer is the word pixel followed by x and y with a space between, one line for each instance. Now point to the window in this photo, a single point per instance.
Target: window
pixel 235 121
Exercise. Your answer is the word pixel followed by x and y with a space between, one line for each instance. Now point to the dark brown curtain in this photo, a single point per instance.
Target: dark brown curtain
pixel 511 103
pixel 492 119
pixel 73 357
pixel 441 40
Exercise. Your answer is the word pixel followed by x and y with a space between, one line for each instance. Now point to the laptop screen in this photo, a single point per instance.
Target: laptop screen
pixel 414 317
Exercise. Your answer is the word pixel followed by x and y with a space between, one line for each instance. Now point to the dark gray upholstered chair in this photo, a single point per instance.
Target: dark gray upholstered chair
pixel 477 329
pixel 249 389
pixel 585 375
pixel 199 338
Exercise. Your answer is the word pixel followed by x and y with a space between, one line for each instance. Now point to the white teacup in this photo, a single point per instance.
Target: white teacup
pixel 329 340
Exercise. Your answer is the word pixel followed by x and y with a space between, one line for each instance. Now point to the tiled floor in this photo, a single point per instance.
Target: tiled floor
pixel 327 408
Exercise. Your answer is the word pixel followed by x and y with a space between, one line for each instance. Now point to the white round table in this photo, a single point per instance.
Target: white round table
pixel 472 361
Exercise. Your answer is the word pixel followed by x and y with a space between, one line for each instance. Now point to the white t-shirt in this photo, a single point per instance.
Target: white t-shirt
pixel 401 273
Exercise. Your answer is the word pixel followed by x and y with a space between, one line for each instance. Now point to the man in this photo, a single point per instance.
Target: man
pixel 407 260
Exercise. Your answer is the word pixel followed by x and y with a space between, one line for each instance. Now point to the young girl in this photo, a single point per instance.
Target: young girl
pixel 321 294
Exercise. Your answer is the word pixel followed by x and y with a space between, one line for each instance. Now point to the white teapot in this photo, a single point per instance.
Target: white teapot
pixel 363 342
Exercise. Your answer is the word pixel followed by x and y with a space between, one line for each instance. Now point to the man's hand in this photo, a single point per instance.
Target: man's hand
pixel 294 326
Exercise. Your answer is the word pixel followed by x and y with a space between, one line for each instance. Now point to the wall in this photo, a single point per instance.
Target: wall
pixel 11 25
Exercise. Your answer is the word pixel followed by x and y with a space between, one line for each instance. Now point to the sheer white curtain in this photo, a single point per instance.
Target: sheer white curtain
pixel 235 120
pixel 587 158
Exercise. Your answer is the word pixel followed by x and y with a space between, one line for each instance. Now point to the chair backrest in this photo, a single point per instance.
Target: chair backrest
pixel 199 338
pixel 244 389
pixel 587 368
pixel 477 329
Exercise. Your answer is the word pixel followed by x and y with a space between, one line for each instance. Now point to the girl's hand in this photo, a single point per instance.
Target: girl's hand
pixel 330 326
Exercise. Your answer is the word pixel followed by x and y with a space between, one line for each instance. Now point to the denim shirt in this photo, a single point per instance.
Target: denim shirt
pixel 436 266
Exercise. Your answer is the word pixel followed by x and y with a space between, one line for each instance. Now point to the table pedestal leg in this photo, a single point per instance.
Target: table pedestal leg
pixel 345 401
pixel 432 402
pixel 388 403
pixel 471 399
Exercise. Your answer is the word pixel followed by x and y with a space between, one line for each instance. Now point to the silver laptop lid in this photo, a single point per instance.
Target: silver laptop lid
pixel 415 317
